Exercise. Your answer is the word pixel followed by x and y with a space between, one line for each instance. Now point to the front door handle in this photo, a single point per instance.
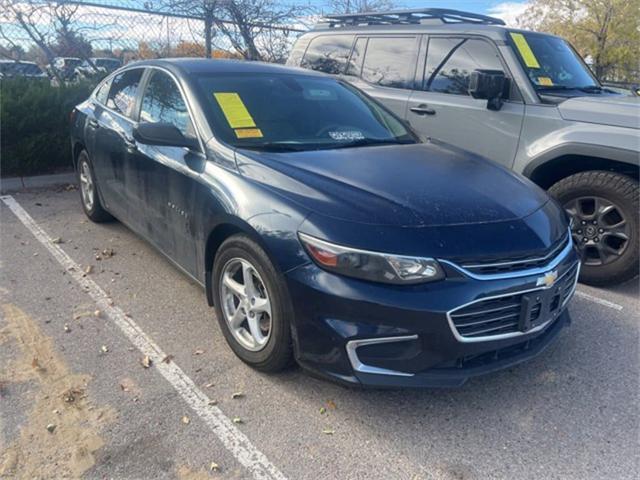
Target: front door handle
pixel 423 109
pixel 93 123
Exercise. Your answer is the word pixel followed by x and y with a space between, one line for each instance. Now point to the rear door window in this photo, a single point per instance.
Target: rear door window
pixel 390 61
pixel 124 88
pixel 450 62
pixel 328 53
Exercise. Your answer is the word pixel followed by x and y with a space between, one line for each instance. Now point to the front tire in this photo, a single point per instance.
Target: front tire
pixel 88 191
pixel 252 305
pixel 604 208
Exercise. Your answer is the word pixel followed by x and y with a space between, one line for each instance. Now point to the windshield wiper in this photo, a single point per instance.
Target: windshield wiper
pixel 366 142
pixel 586 89
pixel 591 89
pixel 275 147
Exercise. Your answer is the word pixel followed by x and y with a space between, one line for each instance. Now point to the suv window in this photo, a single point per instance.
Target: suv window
pixel 328 54
pixel 163 102
pixel 450 62
pixel 390 61
pixel 124 87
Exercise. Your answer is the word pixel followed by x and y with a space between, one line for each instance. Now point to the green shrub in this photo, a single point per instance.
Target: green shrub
pixel 34 125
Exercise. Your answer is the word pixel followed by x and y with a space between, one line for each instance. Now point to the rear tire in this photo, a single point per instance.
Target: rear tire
pixel 267 346
pixel 89 191
pixel 604 208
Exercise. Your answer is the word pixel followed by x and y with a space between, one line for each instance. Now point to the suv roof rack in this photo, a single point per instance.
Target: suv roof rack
pixel 407 17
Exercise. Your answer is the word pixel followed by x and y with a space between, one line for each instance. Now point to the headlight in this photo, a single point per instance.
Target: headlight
pixel 374 266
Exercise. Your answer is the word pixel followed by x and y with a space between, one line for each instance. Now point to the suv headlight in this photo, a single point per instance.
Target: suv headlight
pixel 374 266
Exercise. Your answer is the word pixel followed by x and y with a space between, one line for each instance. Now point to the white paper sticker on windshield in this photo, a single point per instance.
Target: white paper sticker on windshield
pixel 347 135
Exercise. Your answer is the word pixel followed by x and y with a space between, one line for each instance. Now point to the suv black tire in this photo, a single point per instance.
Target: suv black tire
pixel 277 353
pixel 94 209
pixel 620 191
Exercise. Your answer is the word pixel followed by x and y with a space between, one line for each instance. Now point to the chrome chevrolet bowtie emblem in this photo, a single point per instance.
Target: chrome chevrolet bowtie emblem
pixel 548 280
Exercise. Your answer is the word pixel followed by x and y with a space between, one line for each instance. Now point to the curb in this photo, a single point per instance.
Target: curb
pixel 16 184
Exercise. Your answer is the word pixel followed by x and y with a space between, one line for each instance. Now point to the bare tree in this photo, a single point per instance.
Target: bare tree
pixel 255 29
pixel 361 6
pixel 51 26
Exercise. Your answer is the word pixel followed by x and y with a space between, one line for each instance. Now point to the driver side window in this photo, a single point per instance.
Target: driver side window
pixel 163 102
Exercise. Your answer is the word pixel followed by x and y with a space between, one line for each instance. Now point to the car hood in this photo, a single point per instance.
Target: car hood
pixel 614 110
pixel 428 184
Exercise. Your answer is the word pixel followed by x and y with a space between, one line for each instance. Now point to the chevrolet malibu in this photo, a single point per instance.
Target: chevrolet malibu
pixel 321 227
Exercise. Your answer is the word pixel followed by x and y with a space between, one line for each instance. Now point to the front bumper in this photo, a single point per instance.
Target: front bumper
pixel 361 333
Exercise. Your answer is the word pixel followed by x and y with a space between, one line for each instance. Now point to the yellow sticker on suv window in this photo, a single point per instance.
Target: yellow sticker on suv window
pixel 234 110
pixel 546 81
pixel 248 133
pixel 526 53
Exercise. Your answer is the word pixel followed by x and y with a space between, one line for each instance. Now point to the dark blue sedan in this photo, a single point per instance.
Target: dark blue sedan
pixel 321 227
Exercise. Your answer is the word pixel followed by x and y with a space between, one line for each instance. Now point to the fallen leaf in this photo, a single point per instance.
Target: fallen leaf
pixel 328 431
pixel 146 361
pixel 35 364
pixel 88 269
pixel 237 420
pixel 214 467
pixel 167 359
pixel 237 395
pixel 198 352
pixel 213 402
pixel 209 385
pixel 323 410
pixel 97 313
pixel 57 240
pixel 186 420
pixel 108 253
pixel 51 427
pixel 331 404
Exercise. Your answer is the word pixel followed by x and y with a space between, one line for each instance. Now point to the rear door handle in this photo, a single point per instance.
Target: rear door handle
pixel 423 109
pixel 93 123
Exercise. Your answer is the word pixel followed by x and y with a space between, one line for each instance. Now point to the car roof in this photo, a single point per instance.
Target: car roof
pixel 204 65
pixel 23 62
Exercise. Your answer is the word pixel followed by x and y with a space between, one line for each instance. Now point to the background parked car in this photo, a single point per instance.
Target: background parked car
pixel 12 68
pixel 96 66
pixel 64 66
pixel 523 99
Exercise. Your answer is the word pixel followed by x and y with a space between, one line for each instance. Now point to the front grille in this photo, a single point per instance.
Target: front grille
pixel 519 312
pixel 512 264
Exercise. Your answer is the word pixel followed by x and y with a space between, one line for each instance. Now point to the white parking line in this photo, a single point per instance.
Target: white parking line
pixel 232 438
pixel 598 300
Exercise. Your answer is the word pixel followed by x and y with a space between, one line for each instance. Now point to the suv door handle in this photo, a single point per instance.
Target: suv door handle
pixel 423 109
pixel 93 123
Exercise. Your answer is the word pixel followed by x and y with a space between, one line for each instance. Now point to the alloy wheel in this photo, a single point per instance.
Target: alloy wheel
pixel 86 185
pixel 600 229
pixel 246 305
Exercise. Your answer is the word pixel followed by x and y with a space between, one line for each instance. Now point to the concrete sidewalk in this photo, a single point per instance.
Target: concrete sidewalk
pixel 16 184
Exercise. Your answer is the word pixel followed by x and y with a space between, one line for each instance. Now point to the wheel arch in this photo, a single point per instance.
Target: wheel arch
pixel 217 235
pixel 560 163
pixel 78 147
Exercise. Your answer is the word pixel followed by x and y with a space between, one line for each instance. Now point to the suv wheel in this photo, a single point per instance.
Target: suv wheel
pixel 88 191
pixel 252 304
pixel 604 208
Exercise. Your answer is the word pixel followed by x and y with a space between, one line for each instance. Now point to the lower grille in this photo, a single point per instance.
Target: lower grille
pixel 516 313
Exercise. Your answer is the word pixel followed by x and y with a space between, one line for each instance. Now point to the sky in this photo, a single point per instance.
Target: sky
pixel 507 10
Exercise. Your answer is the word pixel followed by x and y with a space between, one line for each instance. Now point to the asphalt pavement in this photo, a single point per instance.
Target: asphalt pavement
pixel 112 366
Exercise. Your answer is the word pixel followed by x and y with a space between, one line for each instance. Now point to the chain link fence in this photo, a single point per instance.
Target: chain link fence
pixel 77 37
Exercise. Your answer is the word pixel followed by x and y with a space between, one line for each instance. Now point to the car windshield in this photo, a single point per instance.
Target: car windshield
pixel 551 63
pixel 284 112
pixel 17 68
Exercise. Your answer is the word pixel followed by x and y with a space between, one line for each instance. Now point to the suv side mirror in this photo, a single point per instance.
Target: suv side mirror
pixel 490 85
pixel 163 134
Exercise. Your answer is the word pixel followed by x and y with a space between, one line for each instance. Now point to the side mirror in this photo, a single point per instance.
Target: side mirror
pixel 490 85
pixel 163 134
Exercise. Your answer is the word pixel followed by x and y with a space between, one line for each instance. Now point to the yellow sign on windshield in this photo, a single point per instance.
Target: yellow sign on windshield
pixel 526 53
pixel 234 110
